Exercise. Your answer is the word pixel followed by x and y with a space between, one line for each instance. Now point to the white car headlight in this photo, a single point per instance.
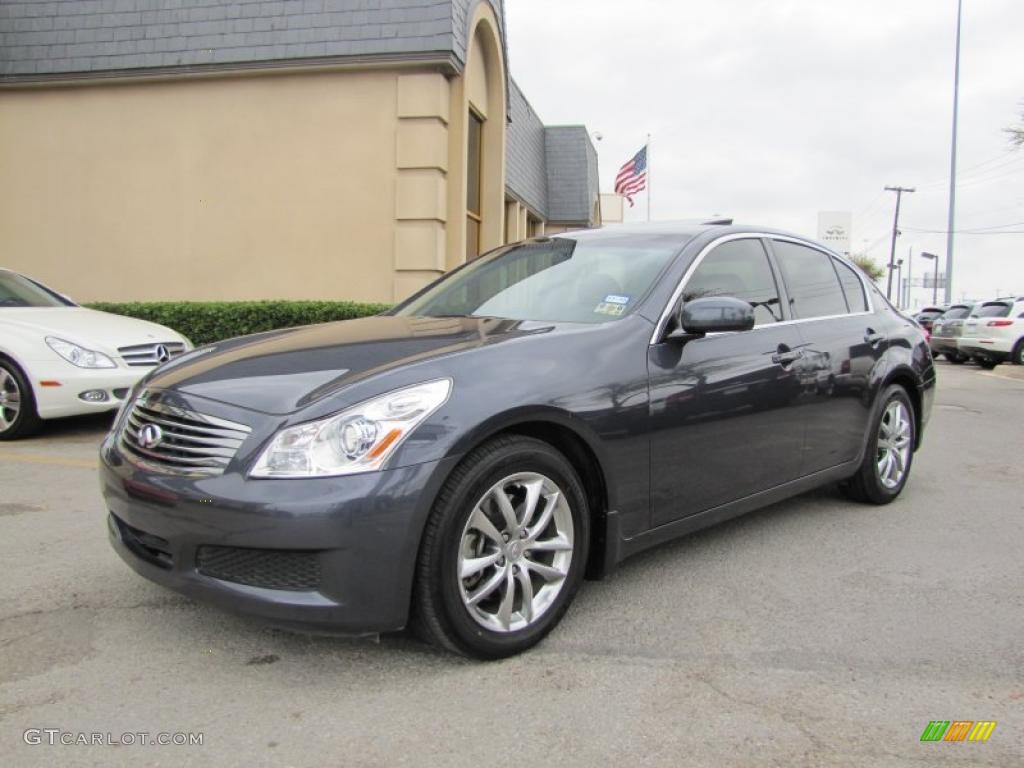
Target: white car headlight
pixel 359 439
pixel 80 356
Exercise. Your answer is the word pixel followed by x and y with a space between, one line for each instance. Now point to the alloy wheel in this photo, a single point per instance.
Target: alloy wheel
pixel 515 552
pixel 894 444
pixel 10 400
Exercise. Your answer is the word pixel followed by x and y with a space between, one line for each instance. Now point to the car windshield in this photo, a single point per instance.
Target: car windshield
pixel 556 279
pixel 19 291
pixel 994 309
pixel 956 313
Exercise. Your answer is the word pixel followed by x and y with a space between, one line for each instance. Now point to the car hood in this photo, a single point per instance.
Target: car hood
pixel 284 371
pixel 86 326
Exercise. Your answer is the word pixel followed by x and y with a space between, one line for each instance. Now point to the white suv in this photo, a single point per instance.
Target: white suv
pixel 994 333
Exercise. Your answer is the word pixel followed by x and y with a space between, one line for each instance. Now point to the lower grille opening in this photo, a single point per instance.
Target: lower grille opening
pixel 151 548
pixel 267 568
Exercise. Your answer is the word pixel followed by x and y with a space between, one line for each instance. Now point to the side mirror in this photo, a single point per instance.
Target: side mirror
pixel 715 314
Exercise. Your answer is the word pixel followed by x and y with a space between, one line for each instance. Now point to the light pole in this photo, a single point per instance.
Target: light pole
pixel 950 221
pixel 910 273
pixel 935 280
pixel 899 283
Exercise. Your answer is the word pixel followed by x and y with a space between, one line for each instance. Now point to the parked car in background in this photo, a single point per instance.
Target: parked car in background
pixel 60 359
pixel 927 315
pixel 994 332
pixel 946 330
pixel 541 412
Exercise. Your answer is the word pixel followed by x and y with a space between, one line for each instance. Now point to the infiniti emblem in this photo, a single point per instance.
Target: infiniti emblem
pixel 162 355
pixel 150 436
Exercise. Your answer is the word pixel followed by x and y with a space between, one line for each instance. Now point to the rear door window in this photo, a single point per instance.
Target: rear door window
pixel 853 288
pixel 814 289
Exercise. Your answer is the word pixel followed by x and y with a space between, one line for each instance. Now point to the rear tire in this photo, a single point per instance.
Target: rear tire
pixel 18 415
pixel 512 518
pixel 890 453
pixel 955 358
pixel 987 364
pixel 1017 356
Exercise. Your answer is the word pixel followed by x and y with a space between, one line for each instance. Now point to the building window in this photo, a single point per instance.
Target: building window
pixel 473 171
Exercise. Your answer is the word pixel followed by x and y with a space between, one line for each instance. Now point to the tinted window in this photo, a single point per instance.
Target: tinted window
pixel 558 279
pixel 740 269
pixel 853 289
pixel 956 313
pixel 813 286
pixel 995 309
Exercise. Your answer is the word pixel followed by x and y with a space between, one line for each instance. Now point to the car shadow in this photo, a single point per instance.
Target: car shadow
pixel 88 428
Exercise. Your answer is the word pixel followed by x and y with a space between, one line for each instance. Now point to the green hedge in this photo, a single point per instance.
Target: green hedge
pixel 207 321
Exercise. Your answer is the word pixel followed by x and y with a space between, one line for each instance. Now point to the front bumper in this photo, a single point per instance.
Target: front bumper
pixel 350 542
pixel 54 402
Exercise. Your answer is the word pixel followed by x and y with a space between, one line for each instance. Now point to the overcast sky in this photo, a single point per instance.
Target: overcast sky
pixel 772 111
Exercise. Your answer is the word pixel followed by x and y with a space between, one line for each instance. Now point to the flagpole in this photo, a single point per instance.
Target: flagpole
pixel 648 178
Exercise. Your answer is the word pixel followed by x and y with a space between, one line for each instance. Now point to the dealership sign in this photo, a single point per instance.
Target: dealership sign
pixel 834 229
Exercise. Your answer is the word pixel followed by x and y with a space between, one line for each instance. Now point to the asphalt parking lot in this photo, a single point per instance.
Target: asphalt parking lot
pixel 816 632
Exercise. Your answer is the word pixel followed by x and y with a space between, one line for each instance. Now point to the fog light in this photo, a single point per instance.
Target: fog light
pixel 93 396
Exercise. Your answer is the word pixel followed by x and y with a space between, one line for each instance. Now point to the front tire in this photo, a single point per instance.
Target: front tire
pixel 890 453
pixel 504 550
pixel 987 363
pixel 18 416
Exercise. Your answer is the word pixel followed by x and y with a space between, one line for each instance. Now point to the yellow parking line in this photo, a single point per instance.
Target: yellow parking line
pixel 37 458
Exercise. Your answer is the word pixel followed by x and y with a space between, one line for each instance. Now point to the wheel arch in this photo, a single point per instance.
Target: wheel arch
pixel 580 447
pixel 906 378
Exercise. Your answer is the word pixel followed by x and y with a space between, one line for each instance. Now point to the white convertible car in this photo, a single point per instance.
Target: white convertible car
pixel 60 359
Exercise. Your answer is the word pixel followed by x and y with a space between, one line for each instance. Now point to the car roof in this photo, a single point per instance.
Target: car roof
pixel 685 231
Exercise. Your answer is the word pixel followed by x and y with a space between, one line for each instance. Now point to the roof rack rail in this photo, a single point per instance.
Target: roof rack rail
pixel 718 222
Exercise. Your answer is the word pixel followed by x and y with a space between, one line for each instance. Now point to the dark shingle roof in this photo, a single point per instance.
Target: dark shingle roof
pixel 525 165
pixel 51 37
pixel 571 174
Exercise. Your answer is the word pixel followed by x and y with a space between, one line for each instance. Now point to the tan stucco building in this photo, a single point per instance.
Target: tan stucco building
pixel 344 149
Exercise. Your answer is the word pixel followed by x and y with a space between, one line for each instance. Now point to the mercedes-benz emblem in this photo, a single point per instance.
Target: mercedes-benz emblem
pixel 162 354
pixel 150 436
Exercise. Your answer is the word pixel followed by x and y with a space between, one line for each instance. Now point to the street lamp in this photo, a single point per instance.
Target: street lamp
pixel 899 283
pixel 935 281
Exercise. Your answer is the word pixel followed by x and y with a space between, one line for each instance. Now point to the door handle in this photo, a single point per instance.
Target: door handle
pixel 872 338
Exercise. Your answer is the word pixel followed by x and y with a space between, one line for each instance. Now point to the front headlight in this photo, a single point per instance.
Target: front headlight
pixel 359 439
pixel 80 356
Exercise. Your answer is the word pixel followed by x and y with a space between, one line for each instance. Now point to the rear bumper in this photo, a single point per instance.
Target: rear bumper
pixel 325 554
pixel 991 347
pixel 943 344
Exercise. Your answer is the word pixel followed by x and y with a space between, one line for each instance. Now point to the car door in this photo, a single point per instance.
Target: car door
pixel 841 343
pixel 722 420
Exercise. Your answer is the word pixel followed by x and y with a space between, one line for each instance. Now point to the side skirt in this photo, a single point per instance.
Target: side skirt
pixel 618 548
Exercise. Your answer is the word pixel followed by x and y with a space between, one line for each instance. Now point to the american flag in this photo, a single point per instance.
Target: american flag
pixel 632 176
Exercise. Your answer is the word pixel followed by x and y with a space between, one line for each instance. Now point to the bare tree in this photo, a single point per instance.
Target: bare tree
pixel 1017 133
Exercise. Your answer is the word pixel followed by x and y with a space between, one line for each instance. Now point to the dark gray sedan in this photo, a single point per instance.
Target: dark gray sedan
pixel 459 464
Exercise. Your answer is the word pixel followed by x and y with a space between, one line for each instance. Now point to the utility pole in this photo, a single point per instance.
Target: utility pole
pixel 895 233
pixel 951 220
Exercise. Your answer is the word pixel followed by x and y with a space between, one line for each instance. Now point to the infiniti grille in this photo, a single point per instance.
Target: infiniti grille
pixel 180 441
